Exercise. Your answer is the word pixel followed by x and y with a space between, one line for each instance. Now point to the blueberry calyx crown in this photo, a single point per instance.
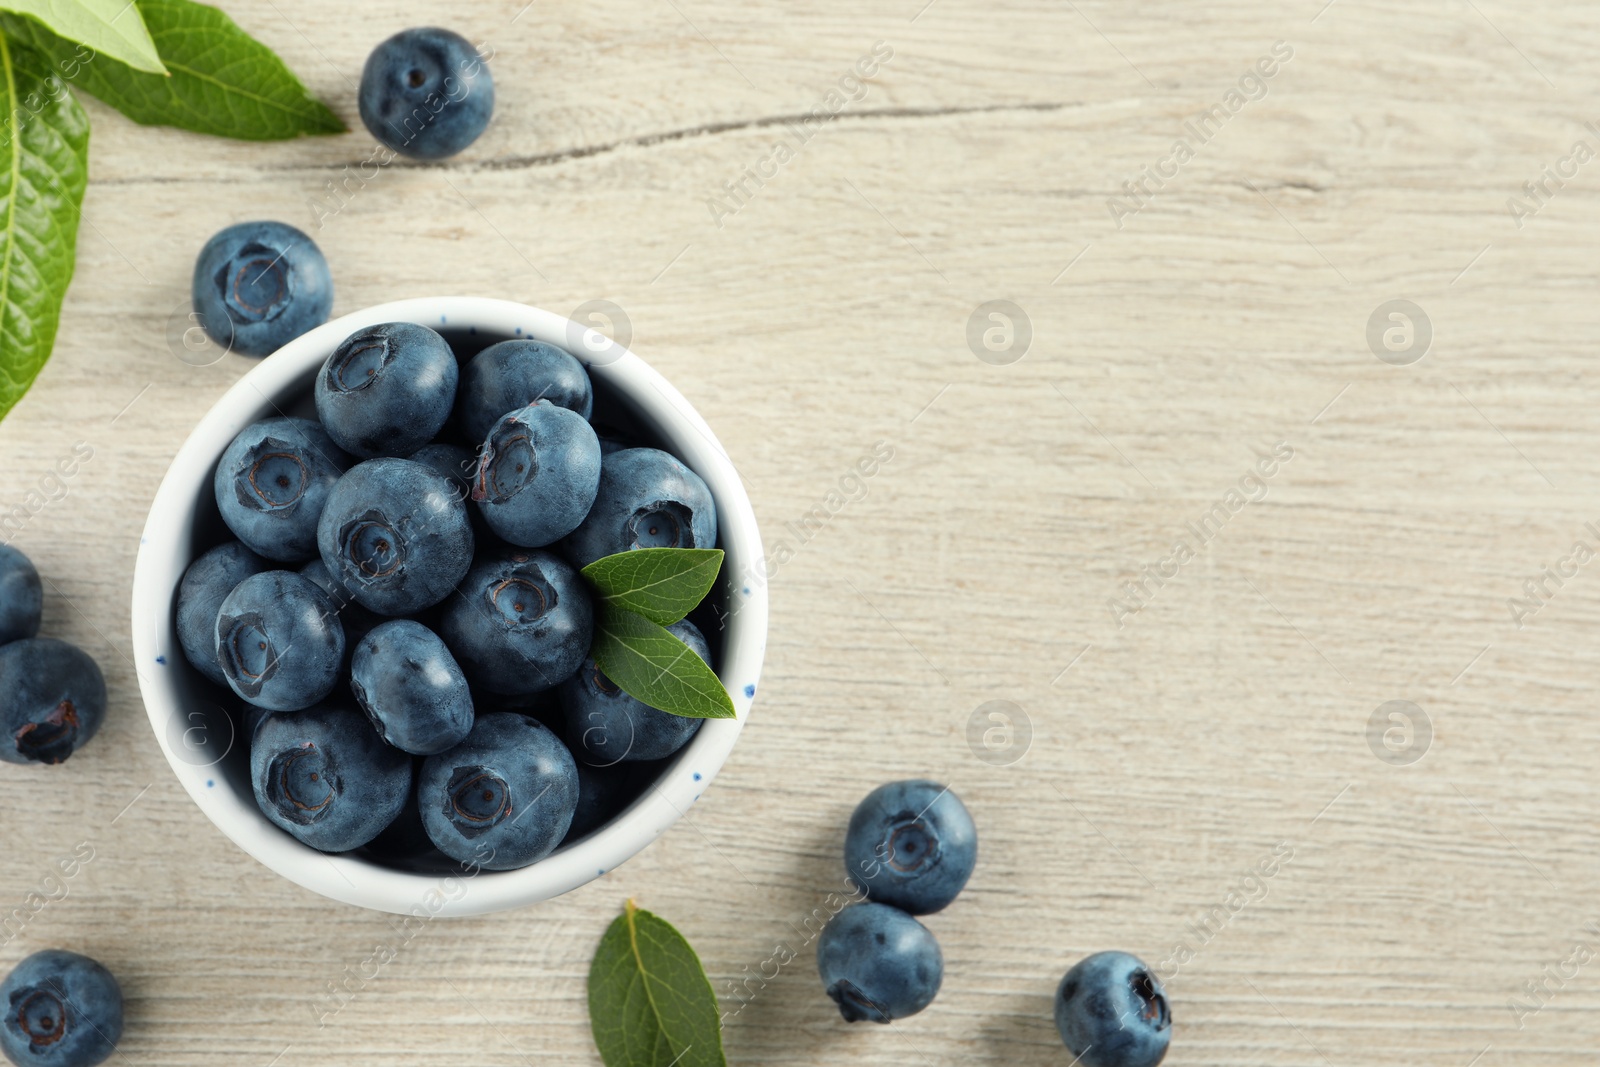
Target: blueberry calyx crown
pixel 1153 1009
pixel 245 652
pixel 359 365
pixel 41 1015
pixel 301 784
pixel 255 284
pixel 274 479
pixel 910 846
pixel 50 740
pixel 523 599
pixel 477 800
pixel 373 545
pixel 854 1005
pixel 658 525
pixel 509 463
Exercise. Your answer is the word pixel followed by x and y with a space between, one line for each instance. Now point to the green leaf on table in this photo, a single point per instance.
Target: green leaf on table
pixel 652 665
pixel 111 27
pixel 662 584
pixel 650 1002
pixel 223 81
pixel 44 167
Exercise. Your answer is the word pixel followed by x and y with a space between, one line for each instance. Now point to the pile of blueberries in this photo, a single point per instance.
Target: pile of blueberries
pixel 402 610
pixel 52 695
pixel 910 848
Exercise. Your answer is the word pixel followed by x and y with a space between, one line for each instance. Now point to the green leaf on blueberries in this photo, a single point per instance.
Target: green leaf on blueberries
pixel 650 1002
pixel 44 157
pixel 223 81
pixel 662 584
pixel 653 666
pixel 111 27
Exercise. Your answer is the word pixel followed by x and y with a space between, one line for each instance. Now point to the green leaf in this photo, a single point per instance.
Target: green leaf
pixel 650 1003
pixel 223 82
pixel 652 665
pixel 111 27
pixel 44 167
pixel 662 584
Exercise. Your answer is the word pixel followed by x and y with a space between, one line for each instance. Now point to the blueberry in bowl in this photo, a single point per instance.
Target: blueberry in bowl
pixel 517 621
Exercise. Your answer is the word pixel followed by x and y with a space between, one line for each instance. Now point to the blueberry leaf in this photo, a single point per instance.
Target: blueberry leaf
pixel 223 81
pixel 662 584
pixel 650 1003
pixel 652 665
pixel 111 27
pixel 44 155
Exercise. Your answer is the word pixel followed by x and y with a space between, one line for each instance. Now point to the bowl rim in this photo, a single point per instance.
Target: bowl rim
pixel 166 547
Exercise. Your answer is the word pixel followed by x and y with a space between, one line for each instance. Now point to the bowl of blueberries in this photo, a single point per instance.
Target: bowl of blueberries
pixel 362 624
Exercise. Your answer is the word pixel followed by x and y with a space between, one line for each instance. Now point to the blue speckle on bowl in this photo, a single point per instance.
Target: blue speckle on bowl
pixel 745 590
pixel 601 871
pixel 161 660
pixel 211 783
pixel 697 776
pixel 697 796
pixel 443 319
pixel 749 690
pixel 519 334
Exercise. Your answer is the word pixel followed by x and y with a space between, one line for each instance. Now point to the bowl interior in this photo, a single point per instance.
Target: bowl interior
pixel 202 737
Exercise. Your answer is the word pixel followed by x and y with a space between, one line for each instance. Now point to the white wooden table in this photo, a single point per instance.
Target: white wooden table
pixel 824 312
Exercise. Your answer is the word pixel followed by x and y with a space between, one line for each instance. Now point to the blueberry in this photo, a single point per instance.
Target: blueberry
pixel 205 584
pixel 396 535
pixel 52 700
pixel 878 963
pixel 537 474
pixel 911 844
pixel 356 620
pixel 324 776
pixel 1112 1012
pixel 513 374
pixel 405 842
pixel 272 483
pixel 605 792
pixel 504 797
pixel 454 462
pixel 410 687
pixel 426 93
pixel 604 725
pixel 522 623
pixel 387 389
pixel 61 1010
pixel 21 596
pixel 259 285
pixel 646 499
pixel 279 641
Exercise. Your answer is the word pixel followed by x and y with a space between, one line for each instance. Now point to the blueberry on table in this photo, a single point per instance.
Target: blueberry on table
pixel 52 700
pixel 513 374
pixel 911 844
pixel 878 963
pixel 61 1010
pixel 504 797
pixel 326 778
pixel 409 685
pixel 1112 1012
pixel 604 725
pixel 646 499
pixel 426 93
pixel 279 641
pixel 272 483
pixel 396 535
pixel 538 471
pixel 387 389
pixel 259 285
pixel 205 585
pixel 21 596
pixel 522 622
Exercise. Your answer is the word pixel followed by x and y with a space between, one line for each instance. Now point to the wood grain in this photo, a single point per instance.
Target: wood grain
pixel 1170 755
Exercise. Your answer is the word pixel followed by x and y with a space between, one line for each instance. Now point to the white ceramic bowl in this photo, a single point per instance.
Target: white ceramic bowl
pixel 198 736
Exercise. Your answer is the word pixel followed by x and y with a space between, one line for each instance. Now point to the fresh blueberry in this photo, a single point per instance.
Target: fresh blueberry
pixel 878 963
pixel 405 842
pixel 911 844
pixel 272 483
pixel 476 798
pixel 61 1010
pixel 205 584
pixel 52 700
pixel 605 792
pixel 21 596
pixel 396 535
pixel 426 93
pixel 356 620
pixel 259 285
pixel 410 687
pixel 454 462
pixel 646 499
pixel 522 623
pixel 324 776
pixel 387 389
pixel 279 641
pixel 604 725
pixel 513 374
pixel 1112 1012
pixel 537 474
